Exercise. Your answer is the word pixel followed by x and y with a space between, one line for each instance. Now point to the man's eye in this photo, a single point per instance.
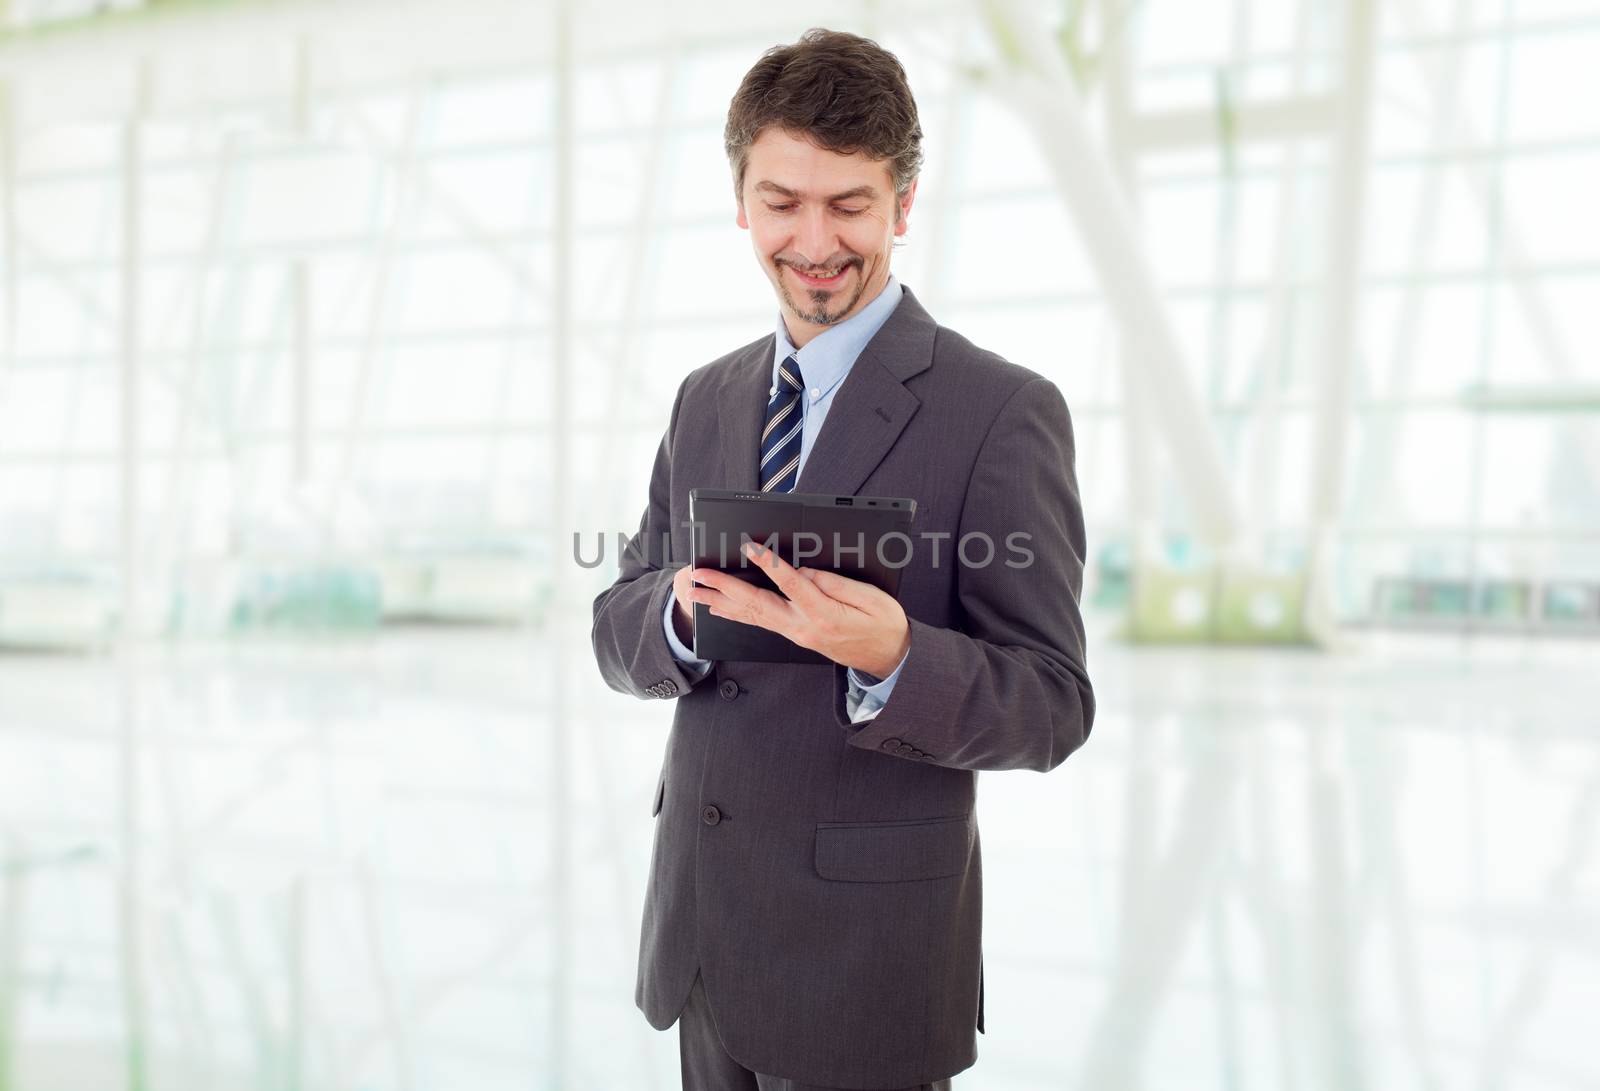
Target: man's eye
pixel 851 211
pixel 779 208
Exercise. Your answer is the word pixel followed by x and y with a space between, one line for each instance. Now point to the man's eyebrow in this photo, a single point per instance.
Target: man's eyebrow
pixel 860 191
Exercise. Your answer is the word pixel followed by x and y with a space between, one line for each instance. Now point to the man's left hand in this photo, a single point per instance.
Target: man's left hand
pixel 849 621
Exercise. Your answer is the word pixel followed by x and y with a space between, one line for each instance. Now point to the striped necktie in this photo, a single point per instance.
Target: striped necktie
pixel 780 439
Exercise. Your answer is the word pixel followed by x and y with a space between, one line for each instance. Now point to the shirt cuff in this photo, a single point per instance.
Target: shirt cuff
pixel 863 700
pixel 693 666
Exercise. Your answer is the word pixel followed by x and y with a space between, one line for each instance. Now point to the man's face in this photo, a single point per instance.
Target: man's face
pixel 822 225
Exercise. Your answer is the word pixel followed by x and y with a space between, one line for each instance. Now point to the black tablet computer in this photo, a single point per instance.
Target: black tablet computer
pixel 863 537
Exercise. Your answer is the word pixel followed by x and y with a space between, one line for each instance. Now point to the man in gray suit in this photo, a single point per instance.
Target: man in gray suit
pixel 814 911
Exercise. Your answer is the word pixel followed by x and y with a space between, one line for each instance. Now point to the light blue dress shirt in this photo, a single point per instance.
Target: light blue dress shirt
pixel 824 362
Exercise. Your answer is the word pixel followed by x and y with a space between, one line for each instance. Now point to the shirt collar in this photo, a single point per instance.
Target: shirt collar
pixel 827 357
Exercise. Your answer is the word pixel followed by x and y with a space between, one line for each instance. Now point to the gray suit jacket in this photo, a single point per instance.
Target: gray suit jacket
pixel 823 877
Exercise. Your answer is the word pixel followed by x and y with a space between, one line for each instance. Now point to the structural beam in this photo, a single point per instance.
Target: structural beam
pixel 1046 97
pixel 1341 309
pixel 1271 122
pixel 560 663
pixel 1139 439
pixel 130 906
pixel 9 311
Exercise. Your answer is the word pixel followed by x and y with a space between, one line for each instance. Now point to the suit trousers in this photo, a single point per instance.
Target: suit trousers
pixel 707 1066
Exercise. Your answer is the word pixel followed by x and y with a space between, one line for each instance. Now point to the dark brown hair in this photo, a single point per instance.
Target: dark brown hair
pixel 843 92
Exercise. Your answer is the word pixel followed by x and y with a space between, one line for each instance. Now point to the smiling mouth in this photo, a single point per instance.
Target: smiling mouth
pixel 815 281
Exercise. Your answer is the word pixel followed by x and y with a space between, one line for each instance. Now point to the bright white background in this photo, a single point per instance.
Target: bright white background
pixel 346 804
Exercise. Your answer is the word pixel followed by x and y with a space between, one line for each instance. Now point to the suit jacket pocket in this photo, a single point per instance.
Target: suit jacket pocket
pixel 661 792
pixel 894 852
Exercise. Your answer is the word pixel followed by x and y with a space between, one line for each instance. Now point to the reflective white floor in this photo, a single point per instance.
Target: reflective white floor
pixel 374 865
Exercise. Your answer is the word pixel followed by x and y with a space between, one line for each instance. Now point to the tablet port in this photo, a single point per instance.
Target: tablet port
pixel 844 501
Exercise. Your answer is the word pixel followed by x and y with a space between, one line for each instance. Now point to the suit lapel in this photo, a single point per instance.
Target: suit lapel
pixel 870 409
pixel 741 411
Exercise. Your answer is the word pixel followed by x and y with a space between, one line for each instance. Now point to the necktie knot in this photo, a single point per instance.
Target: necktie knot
pixel 789 376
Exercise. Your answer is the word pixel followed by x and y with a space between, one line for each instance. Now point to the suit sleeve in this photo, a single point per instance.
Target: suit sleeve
pixel 629 642
pixel 1008 687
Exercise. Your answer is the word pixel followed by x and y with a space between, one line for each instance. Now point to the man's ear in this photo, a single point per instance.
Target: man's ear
pixel 740 217
pixel 903 208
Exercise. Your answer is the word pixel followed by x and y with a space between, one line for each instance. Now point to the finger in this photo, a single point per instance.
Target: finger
pixel 797 589
pixel 851 592
pixel 734 592
pixel 725 583
pixel 751 605
pixel 714 577
pixel 716 600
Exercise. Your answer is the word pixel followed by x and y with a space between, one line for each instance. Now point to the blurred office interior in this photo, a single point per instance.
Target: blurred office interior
pixel 324 328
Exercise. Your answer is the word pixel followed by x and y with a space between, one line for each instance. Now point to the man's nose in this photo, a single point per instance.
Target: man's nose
pixel 815 238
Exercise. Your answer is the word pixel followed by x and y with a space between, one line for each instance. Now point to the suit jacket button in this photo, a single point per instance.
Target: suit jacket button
pixel 729 689
pixel 889 744
pixel 710 815
pixel 905 748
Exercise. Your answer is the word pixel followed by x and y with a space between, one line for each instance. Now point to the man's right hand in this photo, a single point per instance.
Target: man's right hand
pixel 683 609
